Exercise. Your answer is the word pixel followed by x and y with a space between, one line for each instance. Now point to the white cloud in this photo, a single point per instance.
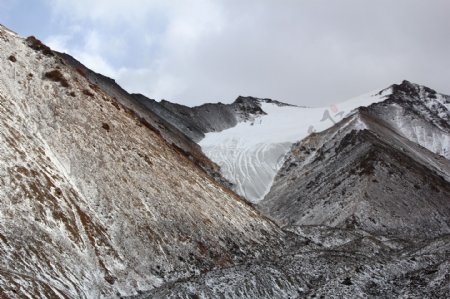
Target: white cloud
pixel 97 63
pixel 110 11
pixel 87 52
pixel 58 42
pixel 305 52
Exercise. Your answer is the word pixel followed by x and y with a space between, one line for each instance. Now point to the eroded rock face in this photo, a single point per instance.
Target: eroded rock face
pixel 95 202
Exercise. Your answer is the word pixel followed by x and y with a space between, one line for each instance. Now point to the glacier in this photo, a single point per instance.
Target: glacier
pixel 251 153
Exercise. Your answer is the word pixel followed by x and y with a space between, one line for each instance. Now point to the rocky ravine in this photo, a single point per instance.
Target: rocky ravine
pixel 331 263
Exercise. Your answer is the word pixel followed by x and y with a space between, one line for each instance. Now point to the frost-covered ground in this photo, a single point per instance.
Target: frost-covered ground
pixel 331 263
pixel 251 153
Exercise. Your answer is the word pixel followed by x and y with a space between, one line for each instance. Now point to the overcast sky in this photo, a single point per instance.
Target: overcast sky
pixel 314 53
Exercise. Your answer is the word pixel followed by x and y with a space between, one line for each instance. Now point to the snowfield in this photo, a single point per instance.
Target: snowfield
pixel 251 153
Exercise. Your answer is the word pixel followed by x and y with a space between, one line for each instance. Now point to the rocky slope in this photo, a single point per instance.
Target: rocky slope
pixel 95 202
pixel 150 114
pixel 331 263
pixel 370 171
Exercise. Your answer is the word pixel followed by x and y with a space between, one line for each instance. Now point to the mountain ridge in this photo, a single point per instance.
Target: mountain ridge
pixel 196 121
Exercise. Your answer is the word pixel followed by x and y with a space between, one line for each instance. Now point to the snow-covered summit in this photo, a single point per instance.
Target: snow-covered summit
pixel 419 114
pixel 251 153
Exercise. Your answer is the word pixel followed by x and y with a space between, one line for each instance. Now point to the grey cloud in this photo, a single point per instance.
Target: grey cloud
pixel 304 52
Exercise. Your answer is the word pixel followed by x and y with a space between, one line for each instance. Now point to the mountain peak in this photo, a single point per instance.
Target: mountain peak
pixel 412 91
pixel 258 101
pixel 245 99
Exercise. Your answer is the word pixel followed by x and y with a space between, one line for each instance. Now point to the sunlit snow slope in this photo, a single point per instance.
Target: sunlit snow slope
pixel 251 153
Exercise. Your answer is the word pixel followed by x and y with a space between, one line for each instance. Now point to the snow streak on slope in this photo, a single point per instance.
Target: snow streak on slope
pixel 421 132
pixel 251 153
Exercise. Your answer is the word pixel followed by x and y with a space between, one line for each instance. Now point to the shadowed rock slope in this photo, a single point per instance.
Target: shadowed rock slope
pixel 194 122
pixel 95 202
pixel 369 172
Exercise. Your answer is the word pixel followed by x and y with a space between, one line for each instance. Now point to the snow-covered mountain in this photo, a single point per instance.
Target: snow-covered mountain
pixel 419 114
pixel 365 173
pixel 369 200
pixel 362 193
pixel 107 195
pixel 251 153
